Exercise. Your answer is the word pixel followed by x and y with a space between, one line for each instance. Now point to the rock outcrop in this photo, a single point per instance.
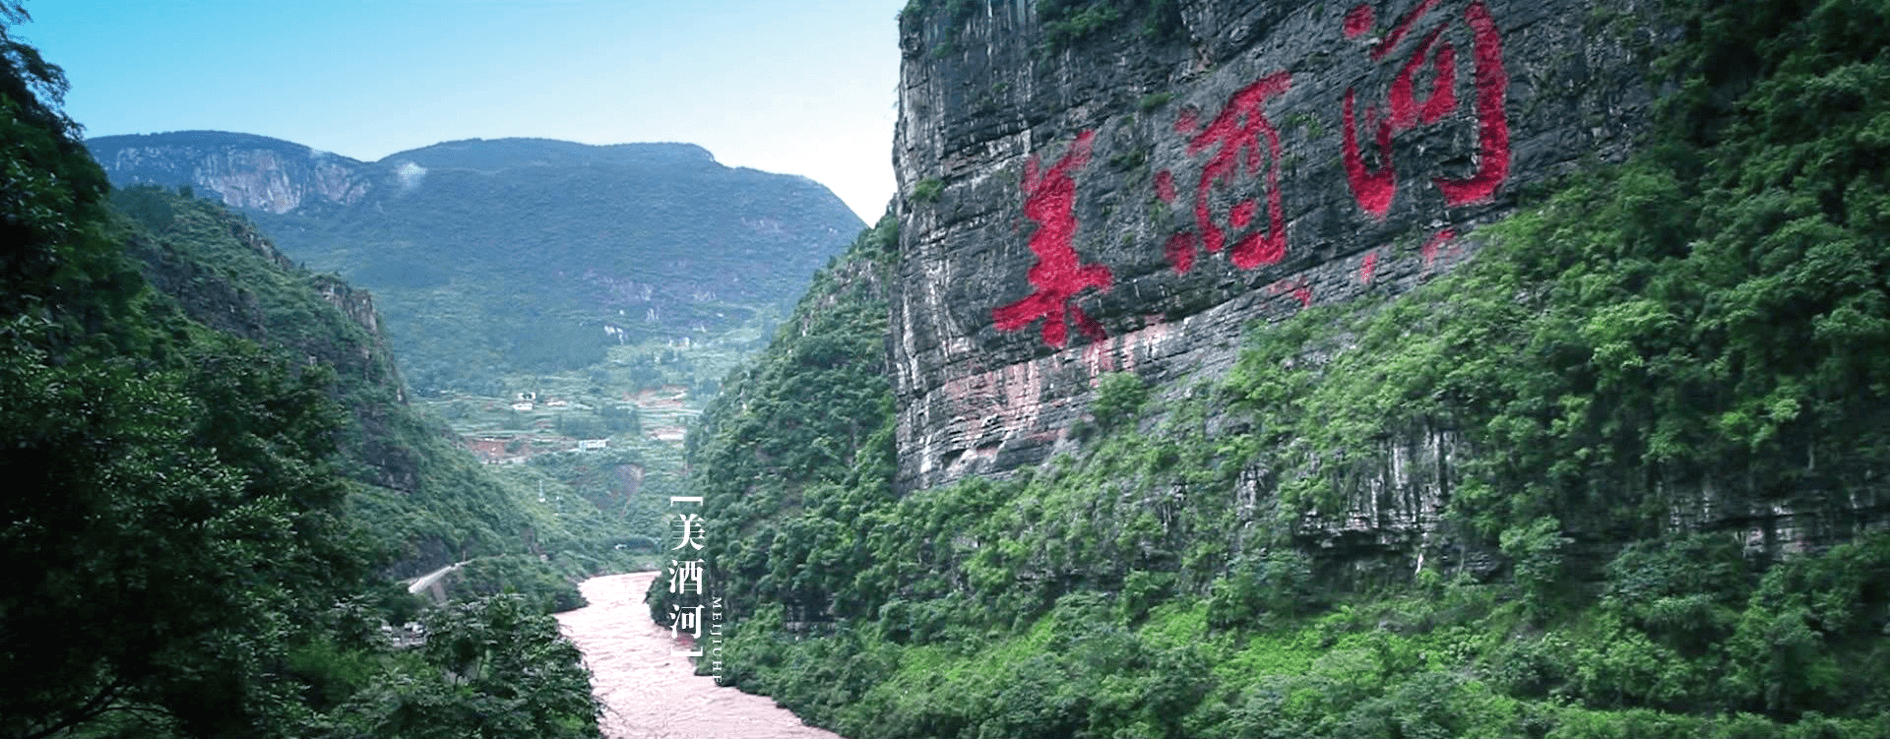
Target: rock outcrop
pixel 242 170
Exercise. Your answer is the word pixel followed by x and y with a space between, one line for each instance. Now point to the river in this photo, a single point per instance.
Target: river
pixel 649 694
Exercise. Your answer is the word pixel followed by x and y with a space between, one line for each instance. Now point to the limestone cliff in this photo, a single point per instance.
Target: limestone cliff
pixel 1129 199
pixel 242 170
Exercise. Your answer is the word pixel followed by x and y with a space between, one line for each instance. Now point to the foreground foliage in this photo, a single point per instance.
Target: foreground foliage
pixel 183 553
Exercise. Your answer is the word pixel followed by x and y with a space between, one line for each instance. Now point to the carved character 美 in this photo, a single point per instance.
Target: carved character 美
pixel 1059 274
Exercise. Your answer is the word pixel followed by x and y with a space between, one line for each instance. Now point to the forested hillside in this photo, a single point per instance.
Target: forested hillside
pixel 211 472
pixel 417 490
pixel 1642 347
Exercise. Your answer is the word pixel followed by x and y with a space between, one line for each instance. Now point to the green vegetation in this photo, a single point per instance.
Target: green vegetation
pixel 954 12
pixel 543 590
pixel 490 667
pixel 1068 22
pixel 803 429
pixel 1065 22
pixel 207 461
pixel 1712 316
pixel 494 260
pixel 927 190
pixel 602 277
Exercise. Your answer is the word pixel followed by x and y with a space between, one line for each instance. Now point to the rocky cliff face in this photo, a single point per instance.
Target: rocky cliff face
pixel 244 171
pixel 358 306
pixel 1129 200
pixel 1111 186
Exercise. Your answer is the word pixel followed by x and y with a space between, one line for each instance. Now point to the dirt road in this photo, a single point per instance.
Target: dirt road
pixel 427 580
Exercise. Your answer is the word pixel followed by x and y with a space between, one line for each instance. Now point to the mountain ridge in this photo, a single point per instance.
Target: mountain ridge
pixel 500 256
pixel 620 152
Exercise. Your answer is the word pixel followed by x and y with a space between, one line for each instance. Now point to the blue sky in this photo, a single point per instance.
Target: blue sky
pixel 804 87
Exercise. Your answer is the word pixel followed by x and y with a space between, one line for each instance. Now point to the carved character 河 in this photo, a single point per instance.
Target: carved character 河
pixel 1374 185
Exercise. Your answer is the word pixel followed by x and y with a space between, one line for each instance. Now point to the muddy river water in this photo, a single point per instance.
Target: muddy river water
pixel 648 693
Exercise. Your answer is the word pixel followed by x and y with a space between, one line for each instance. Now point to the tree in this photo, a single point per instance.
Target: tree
pixel 495 667
pixel 171 527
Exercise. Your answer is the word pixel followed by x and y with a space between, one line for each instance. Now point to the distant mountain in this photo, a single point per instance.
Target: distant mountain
pixel 504 256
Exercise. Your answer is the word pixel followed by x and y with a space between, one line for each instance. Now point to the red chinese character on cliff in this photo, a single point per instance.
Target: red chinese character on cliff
pixel 1235 136
pixel 1374 186
pixel 1050 200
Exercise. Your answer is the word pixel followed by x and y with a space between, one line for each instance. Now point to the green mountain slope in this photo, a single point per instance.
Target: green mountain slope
pixel 1714 313
pixel 419 491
